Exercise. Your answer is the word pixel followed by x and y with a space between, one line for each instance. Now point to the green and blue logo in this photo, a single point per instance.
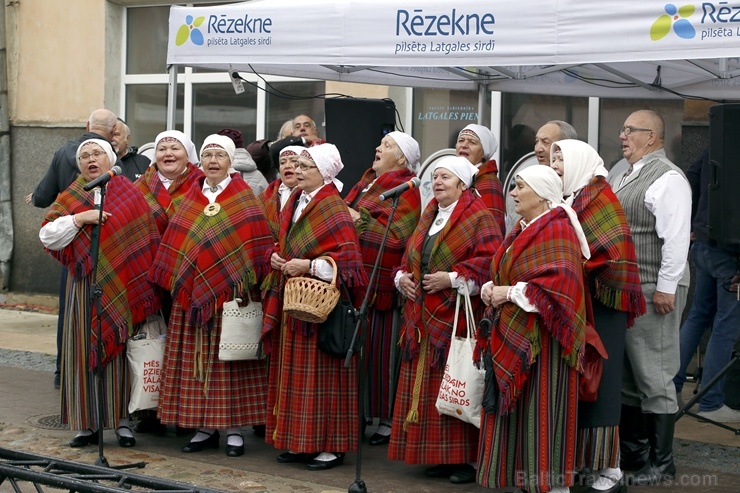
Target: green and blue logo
pixel 190 30
pixel 675 18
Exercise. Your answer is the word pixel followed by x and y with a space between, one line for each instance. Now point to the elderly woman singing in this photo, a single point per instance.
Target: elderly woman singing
pixel 214 250
pixel 528 431
pixel 276 194
pixel 613 284
pixel 128 241
pixel 453 245
pixel 312 398
pixel 395 160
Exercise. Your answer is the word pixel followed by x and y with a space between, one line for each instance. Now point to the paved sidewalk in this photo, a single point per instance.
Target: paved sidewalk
pixel 708 458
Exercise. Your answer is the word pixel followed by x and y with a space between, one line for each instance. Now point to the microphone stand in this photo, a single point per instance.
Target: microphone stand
pixel 359 485
pixel 96 295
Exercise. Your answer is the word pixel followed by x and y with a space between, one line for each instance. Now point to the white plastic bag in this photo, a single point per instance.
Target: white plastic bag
pixel 145 353
pixel 461 392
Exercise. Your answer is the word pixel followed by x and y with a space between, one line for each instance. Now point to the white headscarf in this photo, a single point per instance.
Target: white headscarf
pixel 581 163
pixel 291 151
pixel 547 184
pixel 328 160
pixel 460 166
pixel 487 140
pixel 104 144
pixel 409 147
pixel 221 141
pixel 182 139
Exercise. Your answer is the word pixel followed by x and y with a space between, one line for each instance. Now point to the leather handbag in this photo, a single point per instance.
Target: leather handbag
pixel 335 334
pixel 241 331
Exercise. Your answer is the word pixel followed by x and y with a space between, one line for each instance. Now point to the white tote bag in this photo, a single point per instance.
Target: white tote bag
pixel 241 331
pixel 461 392
pixel 145 353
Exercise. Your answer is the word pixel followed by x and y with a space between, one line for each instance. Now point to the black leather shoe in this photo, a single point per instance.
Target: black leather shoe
pixel 259 431
pixel 465 474
pixel 290 457
pixel 235 450
pixel 85 440
pixel 125 441
pixel 323 465
pixel 210 442
pixel 441 471
pixel 378 439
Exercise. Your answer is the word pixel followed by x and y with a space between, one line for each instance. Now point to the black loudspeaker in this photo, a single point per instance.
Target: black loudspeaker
pixel 724 186
pixel 356 127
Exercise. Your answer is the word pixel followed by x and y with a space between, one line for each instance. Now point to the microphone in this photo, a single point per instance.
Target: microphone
pixel 104 178
pixel 394 192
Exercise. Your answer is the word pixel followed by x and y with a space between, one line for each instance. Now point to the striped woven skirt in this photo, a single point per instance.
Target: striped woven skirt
pixel 312 398
pixel 435 439
pixel 208 393
pixel 382 367
pixel 79 383
pixel 534 446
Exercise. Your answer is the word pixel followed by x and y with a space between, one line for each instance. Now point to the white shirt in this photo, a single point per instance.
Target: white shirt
pixel 59 233
pixel 669 200
pixel 166 182
pixel 220 187
pixel 284 193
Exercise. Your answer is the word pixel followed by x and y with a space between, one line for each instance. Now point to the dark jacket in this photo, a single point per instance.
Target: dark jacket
pixel 134 164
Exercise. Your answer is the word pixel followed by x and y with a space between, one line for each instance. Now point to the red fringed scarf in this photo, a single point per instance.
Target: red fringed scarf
pixel 612 268
pixel 373 221
pixel 546 255
pixel 324 228
pixel 206 260
pixel 270 199
pixel 465 245
pixel 491 190
pixel 128 242
pixel 163 201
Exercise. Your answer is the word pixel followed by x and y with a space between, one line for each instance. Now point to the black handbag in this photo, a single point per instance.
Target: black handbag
pixel 335 334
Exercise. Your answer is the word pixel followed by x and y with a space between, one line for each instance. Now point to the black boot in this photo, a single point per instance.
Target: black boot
pixel 634 447
pixel 661 466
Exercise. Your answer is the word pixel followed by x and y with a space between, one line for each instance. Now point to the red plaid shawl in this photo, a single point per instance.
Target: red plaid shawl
pixel 324 228
pixel 206 260
pixel 373 221
pixel 270 199
pixel 491 190
pixel 163 201
pixel 465 245
pixel 612 268
pixel 128 242
pixel 546 255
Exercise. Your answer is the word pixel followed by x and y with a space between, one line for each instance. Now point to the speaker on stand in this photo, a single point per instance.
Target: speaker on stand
pixel 356 126
pixel 724 185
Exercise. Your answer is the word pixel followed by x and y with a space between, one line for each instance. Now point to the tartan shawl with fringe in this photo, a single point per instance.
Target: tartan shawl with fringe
pixel 612 269
pixel 206 260
pixel 491 190
pixel 373 221
pixel 270 200
pixel 465 245
pixel 163 201
pixel 128 242
pixel 546 255
pixel 324 228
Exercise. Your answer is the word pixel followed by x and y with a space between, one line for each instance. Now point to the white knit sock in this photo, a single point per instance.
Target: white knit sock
pixel 203 434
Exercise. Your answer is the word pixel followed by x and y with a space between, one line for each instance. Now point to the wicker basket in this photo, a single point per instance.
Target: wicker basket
pixel 311 300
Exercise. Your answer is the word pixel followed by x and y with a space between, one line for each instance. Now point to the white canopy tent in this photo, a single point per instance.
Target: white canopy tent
pixel 649 49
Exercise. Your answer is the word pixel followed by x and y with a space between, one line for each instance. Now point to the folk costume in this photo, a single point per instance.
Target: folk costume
pixel 527 435
pixel 211 253
pixel 276 195
pixel 299 372
pixel 613 283
pixel 464 246
pixel 128 242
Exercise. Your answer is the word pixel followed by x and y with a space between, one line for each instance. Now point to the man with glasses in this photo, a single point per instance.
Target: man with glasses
pixel 60 174
pixel 657 201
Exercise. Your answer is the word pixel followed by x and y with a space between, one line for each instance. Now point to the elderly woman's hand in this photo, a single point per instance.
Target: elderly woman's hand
pixel 499 296
pixel 354 214
pixel 296 267
pixel 408 286
pixel 436 282
pixel 486 294
pixel 277 262
pixel 90 217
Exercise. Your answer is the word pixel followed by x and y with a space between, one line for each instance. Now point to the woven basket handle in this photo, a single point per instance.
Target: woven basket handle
pixel 333 264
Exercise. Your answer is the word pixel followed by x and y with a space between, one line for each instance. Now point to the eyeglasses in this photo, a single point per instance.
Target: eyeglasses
pixel 86 156
pixel 629 129
pixel 220 156
pixel 306 167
